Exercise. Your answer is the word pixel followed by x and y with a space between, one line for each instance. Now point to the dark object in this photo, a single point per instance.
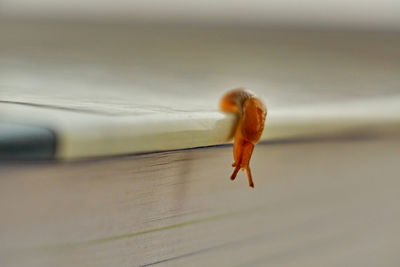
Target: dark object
pixel 26 142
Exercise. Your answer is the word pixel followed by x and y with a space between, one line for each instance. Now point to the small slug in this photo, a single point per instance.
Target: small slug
pixel 251 113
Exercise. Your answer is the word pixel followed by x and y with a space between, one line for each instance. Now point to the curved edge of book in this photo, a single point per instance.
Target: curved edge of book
pixel 44 133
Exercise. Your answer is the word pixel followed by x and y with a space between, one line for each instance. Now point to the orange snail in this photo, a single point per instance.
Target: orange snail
pixel 251 113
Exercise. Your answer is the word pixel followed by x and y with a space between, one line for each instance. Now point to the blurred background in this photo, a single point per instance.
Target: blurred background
pixel 82 81
pixel 370 15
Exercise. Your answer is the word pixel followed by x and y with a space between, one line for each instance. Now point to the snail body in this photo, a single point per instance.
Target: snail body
pixel 251 112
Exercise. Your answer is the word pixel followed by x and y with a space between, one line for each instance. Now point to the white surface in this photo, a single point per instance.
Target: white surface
pixel 140 70
pixel 89 135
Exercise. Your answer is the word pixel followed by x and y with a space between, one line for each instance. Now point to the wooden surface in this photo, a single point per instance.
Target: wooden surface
pixel 326 203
